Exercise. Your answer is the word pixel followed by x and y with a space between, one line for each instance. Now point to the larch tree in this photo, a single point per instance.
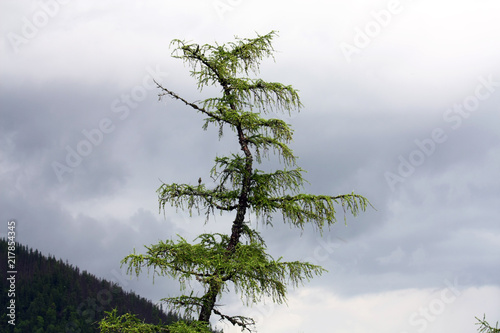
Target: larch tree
pixel 221 262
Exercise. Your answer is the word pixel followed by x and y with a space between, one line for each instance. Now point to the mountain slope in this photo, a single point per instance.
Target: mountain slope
pixel 53 297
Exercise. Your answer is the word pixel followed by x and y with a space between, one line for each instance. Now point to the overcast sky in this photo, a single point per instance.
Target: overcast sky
pixel 401 104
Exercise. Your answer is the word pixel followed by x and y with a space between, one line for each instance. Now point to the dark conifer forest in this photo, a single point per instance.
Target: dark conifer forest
pixel 53 296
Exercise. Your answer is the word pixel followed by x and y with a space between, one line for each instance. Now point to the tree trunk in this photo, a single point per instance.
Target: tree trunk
pixel 209 302
pixel 245 189
pixel 211 295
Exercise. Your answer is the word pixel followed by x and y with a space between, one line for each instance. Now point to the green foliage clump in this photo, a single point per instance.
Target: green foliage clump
pixel 129 323
pixel 485 327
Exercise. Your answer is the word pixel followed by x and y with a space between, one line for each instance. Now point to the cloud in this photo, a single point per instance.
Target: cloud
pixel 404 310
pixel 394 258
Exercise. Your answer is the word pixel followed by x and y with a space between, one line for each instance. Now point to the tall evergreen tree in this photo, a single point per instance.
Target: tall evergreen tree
pixel 238 187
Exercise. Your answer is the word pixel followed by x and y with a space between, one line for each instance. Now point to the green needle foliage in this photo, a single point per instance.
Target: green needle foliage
pixel 238 260
pixel 485 327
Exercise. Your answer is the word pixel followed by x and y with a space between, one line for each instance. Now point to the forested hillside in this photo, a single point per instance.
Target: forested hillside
pixel 52 296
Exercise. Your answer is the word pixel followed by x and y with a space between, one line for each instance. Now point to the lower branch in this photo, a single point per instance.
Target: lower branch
pixel 241 321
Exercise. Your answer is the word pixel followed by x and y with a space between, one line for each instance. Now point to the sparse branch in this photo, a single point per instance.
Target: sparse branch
pixel 265 95
pixel 194 54
pixel 243 322
pixel 180 259
pixel 197 197
pixel 264 276
pixel 250 268
pixel 263 144
pixel 251 50
pixel 188 305
pixel 167 92
pixel 306 208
